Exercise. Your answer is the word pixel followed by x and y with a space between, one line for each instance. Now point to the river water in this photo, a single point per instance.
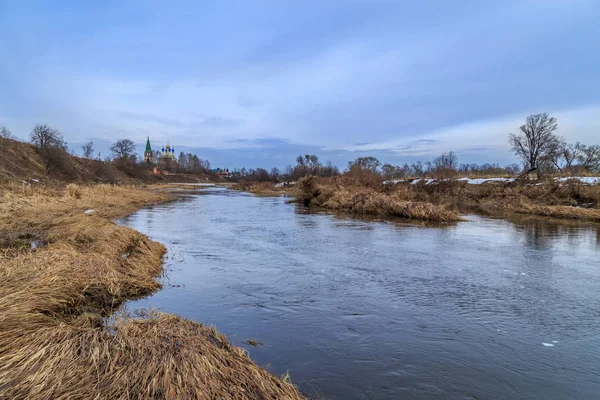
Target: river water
pixel 357 309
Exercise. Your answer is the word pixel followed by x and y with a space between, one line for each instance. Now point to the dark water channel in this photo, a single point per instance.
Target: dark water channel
pixel 354 309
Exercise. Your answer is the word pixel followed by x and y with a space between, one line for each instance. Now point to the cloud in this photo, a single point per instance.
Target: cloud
pixel 340 78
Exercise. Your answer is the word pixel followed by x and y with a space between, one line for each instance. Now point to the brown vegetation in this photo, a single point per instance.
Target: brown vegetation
pixel 24 161
pixel 263 188
pixel 571 200
pixel 54 343
pixel 346 194
pixel 363 193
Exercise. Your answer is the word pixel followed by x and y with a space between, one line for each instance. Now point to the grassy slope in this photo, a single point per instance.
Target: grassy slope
pixel 53 341
pixel 20 161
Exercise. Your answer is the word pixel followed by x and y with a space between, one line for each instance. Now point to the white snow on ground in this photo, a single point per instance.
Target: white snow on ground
pixel 479 181
pixel 282 184
pixel 590 180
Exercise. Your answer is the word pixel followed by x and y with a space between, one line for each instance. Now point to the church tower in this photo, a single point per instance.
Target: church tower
pixel 148 156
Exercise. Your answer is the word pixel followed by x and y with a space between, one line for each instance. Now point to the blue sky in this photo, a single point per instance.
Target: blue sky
pixel 254 83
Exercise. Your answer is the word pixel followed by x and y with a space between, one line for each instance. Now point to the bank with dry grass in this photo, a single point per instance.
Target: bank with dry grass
pixel 347 194
pixel 550 198
pixel 54 343
pixel 265 188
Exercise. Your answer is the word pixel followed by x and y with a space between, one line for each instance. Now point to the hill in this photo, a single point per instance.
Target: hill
pixel 21 161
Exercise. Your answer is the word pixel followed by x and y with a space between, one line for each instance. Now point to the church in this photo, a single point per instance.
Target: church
pixel 167 153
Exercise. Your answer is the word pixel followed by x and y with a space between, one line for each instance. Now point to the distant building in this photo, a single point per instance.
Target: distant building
pixel 168 153
pixel 222 172
pixel 148 154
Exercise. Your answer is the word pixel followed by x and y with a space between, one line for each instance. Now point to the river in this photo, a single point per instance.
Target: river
pixel 367 309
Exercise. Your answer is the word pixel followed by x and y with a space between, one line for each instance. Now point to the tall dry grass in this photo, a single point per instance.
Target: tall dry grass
pixel 341 193
pixel 568 200
pixel 54 343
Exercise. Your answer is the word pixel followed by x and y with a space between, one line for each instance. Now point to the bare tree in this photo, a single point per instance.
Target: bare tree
pixel 390 171
pixel 365 163
pixel 51 147
pixel 571 152
pixel 122 148
pixel 563 154
pixel 88 149
pixel 446 161
pixel 6 133
pixel 536 142
pixel 44 137
pixel 590 158
pixel 445 166
pixel 275 174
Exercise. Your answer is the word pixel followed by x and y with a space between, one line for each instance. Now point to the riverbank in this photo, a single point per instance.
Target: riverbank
pixel 64 267
pixel 264 188
pixel 349 196
pixel 432 200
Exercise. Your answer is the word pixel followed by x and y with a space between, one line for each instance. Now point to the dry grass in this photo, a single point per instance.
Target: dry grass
pixel 54 343
pixel 570 200
pixel 263 188
pixel 340 194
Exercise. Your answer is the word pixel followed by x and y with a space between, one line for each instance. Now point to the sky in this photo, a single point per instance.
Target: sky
pixel 255 83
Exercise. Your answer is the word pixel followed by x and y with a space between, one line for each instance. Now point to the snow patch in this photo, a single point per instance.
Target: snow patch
pixel 589 180
pixel 282 184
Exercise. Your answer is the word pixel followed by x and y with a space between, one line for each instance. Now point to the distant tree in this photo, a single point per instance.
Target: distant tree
pixel 122 148
pixel 446 161
pixel 88 149
pixel 590 158
pixel 275 174
pixel 536 142
pixel 329 170
pixel 416 169
pixel 44 137
pixel 565 154
pixel 445 166
pixel 514 169
pixel 6 133
pixel 391 171
pixel 51 147
pixel 306 165
pixel 365 163
pixel 183 161
pixel 205 165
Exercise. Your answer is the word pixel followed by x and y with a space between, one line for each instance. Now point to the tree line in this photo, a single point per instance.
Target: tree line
pixel 541 151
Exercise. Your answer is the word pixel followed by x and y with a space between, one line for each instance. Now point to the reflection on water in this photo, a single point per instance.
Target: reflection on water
pixel 370 309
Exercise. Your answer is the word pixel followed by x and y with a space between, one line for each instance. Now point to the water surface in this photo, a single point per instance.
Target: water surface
pixel 356 309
